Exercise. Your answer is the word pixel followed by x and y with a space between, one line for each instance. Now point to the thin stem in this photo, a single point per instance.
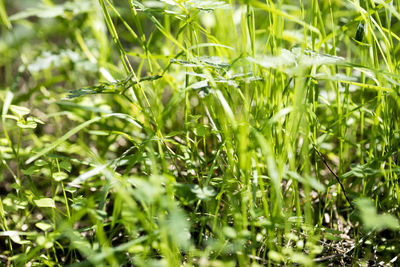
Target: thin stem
pixel 334 174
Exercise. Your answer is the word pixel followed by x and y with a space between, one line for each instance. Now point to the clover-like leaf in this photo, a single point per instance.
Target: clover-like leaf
pixel 26 124
pixel 19 111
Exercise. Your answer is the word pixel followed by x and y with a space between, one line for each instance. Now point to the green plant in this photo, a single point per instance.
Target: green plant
pixel 205 133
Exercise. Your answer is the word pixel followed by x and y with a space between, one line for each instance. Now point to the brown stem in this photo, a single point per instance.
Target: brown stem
pixel 334 174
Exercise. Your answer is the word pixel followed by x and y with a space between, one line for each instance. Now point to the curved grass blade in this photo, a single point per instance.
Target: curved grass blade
pixel 77 129
pixel 3 15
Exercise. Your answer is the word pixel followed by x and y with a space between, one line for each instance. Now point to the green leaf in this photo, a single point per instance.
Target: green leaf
pixel 19 111
pixel 66 165
pixel 16 238
pixel 208 5
pixel 40 163
pixel 43 226
pixel 201 130
pixel 275 256
pixel 295 58
pixel 285 59
pixel 34 119
pixel 311 58
pixel 59 176
pixel 229 232
pixel 26 124
pixel 31 170
pixel 70 189
pixel 200 85
pixel 45 203
pixel 204 193
pixel 44 242
pixel 301 259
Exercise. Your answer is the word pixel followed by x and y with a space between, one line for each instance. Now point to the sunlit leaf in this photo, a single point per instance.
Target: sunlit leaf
pixel 44 242
pixel 34 119
pixel 45 203
pixel 207 5
pixel 16 238
pixel 27 124
pixel 199 85
pixel 43 226
pixel 170 2
pixel 19 111
pixel 204 193
pixel 285 59
pixel 311 58
pixel 40 163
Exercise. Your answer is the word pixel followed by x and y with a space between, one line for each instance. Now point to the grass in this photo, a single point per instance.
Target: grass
pixel 199 133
